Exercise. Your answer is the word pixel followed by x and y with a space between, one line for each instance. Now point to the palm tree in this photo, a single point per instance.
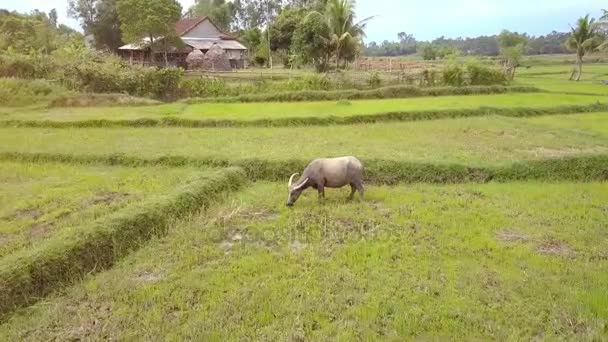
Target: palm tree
pixel 584 39
pixel 345 33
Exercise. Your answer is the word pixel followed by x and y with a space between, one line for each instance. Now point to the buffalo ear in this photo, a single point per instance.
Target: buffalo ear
pixel 299 186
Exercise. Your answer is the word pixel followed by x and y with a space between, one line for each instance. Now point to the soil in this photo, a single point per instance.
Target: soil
pixel 554 247
pixel 107 197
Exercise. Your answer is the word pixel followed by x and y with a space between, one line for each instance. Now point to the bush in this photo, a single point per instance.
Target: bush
pixel 374 80
pixel 96 73
pixel 15 91
pixel 453 75
pixel 484 75
pixel 26 66
pixel 308 82
pixel 203 87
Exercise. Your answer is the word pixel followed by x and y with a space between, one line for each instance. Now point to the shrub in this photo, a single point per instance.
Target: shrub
pixel 308 82
pixel 484 75
pixel 453 75
pixel 203 87
pixel 15 91
pixel 26 66
pixel 374 79
pixel 428 78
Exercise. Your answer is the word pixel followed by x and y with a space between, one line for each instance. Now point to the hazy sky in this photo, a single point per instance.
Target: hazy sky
pixel 427 19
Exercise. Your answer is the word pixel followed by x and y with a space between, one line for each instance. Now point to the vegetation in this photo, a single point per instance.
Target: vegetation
pixel 100 19
pixel 32 273
pixel 485 195
pixel 475 141
pixel 584 39
pixel 399 265
pixel 37 33
pixel 512 46
pixel 552 43
pixel 54 197
pixel 153 20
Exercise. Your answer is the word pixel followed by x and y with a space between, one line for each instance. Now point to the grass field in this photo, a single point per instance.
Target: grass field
pixel 473 141
pixel 476 225
pixel 252 111
pixel 38 201
pixel 510 261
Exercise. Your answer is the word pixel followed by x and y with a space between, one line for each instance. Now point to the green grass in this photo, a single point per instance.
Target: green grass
pixel 563 85
pixel 38 201
pixel 512 261
pixel 479 141
pixel 30 274
pixel 277 110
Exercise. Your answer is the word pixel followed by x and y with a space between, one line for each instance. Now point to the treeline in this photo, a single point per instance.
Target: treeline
pixel 37 32
pixel 552 43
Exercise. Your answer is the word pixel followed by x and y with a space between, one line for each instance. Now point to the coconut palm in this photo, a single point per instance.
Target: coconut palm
pixel 345 34
pixel 584 38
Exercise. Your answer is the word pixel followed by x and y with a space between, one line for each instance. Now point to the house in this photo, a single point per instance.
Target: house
pixel 196 34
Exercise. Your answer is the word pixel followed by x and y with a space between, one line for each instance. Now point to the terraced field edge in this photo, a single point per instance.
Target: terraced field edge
pixel 30 274
pixel 583 168
pixel 390 92
pixel 314 121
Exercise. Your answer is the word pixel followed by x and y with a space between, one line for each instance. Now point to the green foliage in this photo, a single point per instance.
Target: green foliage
pixel 479 74
pixel 204 87
pixel 15 92
pixel 99 18
pixel 453 74
pixel 35 33
pixel 220 12
pixel 374 80
pixel 584 39
pixel 31 274
pixel 284 27
pixel 321 92
pixel 310 44
pixel 512 48
pixel 149 19
pixel 429 52
pixel 94 72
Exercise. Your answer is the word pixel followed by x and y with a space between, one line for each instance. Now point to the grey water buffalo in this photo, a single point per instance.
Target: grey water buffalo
pixel 328 173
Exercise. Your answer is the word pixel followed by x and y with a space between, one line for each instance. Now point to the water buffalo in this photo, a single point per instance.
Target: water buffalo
pixel 328 173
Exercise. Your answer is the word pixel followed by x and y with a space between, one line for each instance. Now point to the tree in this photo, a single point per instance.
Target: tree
pixel 152 19
pixel 512 46
pixel 429 52
pixel 583 39
pixel 34 33
pixel 310 44
pixel 221 12
pixel 100 19
pixel 345 35
pixel 282 31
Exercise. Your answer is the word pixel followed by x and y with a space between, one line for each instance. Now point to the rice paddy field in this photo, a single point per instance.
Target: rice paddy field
pixel 487 222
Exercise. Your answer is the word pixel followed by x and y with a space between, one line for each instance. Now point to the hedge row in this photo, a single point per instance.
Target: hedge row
pixel 314 121
pixel 33 273
pixel 402 91
pixel 579 168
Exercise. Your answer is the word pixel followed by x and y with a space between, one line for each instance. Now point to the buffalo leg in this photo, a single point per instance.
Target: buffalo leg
pixel 360 188
pixel 353 188
pixel 321 189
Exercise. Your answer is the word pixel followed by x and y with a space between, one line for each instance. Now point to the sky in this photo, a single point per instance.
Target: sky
pixel 426 20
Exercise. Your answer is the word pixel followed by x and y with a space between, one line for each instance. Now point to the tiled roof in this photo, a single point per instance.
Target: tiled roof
pixel 185 25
